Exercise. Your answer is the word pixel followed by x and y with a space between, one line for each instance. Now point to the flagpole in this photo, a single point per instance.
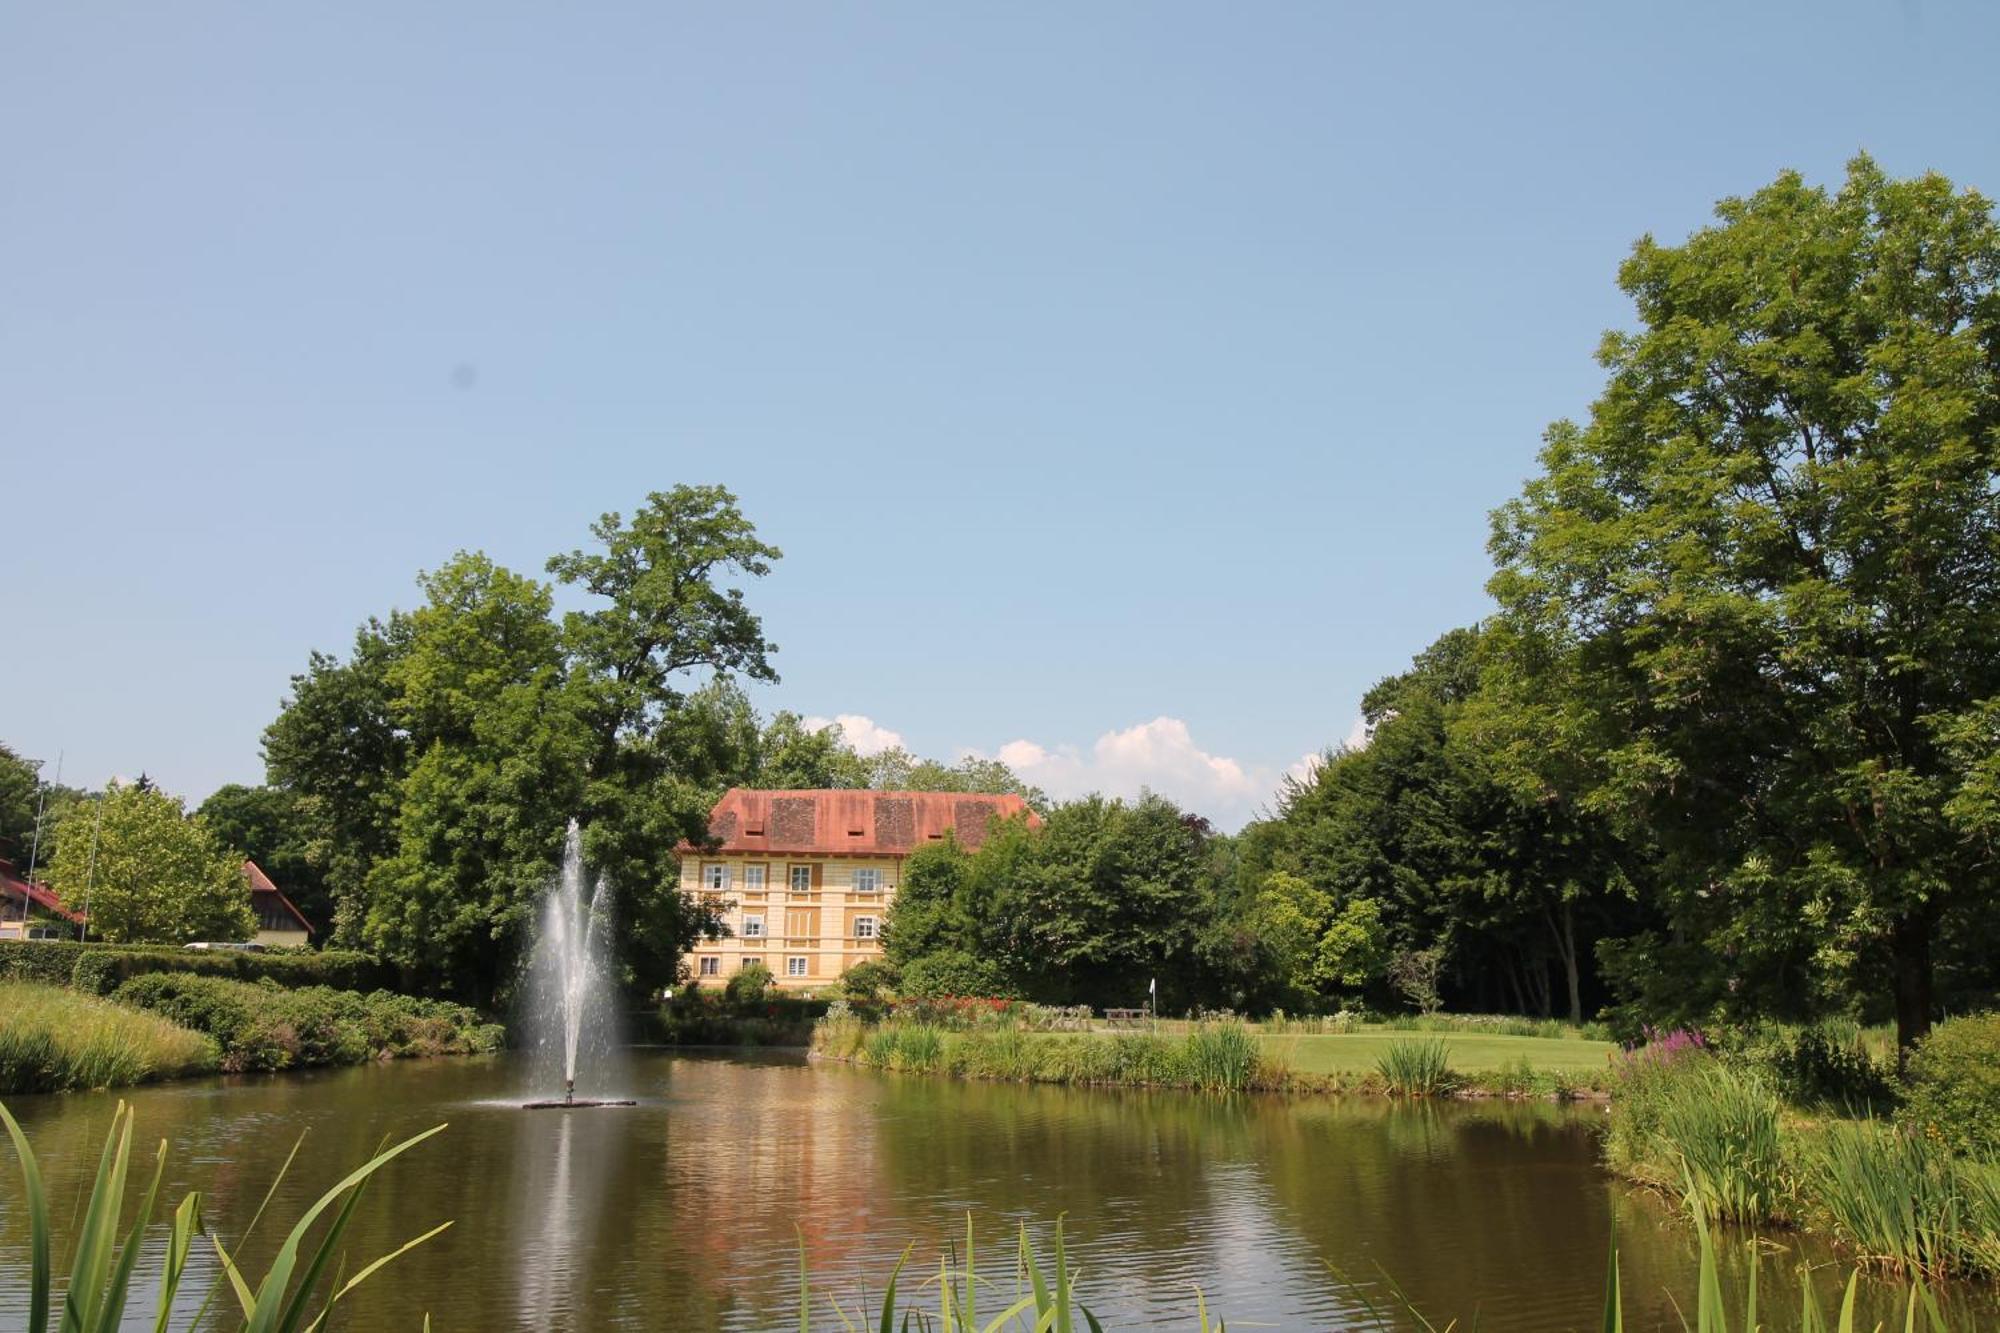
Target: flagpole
pixel 90 876
pixel 35 849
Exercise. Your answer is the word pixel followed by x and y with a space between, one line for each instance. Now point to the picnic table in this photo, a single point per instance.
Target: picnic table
pixel 1119 1018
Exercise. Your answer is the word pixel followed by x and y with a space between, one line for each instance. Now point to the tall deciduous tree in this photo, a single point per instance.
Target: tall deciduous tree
pixel 666 610
pixel 1767 573
pixel 148 872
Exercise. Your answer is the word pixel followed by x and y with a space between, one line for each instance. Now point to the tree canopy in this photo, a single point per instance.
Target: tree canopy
pixel 148 872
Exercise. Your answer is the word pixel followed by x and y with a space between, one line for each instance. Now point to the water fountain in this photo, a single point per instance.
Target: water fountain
pixel 573 1019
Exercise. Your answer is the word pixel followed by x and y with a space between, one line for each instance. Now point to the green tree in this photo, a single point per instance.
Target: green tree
pixel 1760 586
pixel 662 612
pixel 148 872
pixel 498 764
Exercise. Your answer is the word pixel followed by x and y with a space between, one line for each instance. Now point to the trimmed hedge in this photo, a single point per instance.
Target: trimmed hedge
pixel 100 969
pixel 265 1026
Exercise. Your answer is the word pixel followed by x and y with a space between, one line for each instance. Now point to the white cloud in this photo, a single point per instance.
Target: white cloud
pixel 860 731
pixel 1358 735
pixel 1160 755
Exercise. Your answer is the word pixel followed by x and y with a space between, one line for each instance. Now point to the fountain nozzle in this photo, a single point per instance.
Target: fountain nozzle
pixel 569 1091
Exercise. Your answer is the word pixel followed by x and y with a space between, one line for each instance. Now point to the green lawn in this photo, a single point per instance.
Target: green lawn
pixel 1471 1052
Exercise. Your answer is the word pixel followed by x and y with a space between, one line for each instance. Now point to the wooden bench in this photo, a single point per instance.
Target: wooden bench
pixel 1124 1018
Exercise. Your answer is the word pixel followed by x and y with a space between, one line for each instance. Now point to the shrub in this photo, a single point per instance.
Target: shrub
pixel 1416 1068
pixel 864 982
pixel 54 1040
pixel 953 973
pixel 750 985
pixel 1820 1066
pixel 265 1026
pixel 1954 1089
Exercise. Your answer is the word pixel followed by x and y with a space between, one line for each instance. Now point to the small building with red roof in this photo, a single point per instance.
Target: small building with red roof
pixel 279 924
pixel 45 915
pixel 803 879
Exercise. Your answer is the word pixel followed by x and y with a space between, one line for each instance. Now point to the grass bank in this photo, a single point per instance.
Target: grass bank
pixel 53 1039
pixel 1184 1055
pixel 1212 1057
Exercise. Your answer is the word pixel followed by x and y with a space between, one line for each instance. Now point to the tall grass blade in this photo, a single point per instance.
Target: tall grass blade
pixel 120 1281
pixel 38 1226
pixel 1614 1299
pixel 270 1305
pixel 369 1270
pixel 187 1221
pixel 887 1323
pixel 85 1295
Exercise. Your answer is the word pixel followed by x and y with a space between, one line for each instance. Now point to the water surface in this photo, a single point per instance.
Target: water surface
pixel 685 1212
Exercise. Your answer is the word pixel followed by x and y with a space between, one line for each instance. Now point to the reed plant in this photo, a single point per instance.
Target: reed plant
pixel 1688 1122
pixel 1220 1057
pixel 1902 1199
pixel 56 1040
pixel 1416 1068
pixel 93 1299
pixel 919 1048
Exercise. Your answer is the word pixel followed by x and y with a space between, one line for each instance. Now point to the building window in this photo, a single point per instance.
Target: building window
pixel 715 876
pixel 753 927
pixel 795 967
pixel 864 927
pixel 868 880
pixel 753 877
pixel 711 967
pixel 749 963
pixel 802 879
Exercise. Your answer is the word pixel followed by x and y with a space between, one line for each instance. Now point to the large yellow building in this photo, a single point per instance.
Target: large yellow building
pixel 804 879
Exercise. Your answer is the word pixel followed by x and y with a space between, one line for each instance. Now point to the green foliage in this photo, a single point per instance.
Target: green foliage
pixel 432 772
pixel 1901 1199
pixel 1104 897
pixel 953 972
pixel 1213 1057
pixel 864 983
pixel 94 1298
pixel 1749 607
pixel 1953 1095
pixel 149 872
pixel 1823 1065
pixel 1416 1068
pixel 261 1027
pixel 100 968
pixel 750 985
pixel 1695 1125
pixel 55 1040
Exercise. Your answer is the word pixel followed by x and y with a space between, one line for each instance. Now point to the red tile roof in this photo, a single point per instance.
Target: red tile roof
pixel 853 823
pixel 260 884
pixel 13 888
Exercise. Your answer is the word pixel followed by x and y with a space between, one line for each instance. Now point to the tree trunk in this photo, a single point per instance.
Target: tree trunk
pixel 1910 949
pixel 1565 936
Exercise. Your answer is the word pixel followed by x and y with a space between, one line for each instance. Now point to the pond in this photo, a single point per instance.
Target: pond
pixel 685 1211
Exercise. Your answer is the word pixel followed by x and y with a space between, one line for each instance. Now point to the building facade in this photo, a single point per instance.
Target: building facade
pixel 279 924
pixel 804 879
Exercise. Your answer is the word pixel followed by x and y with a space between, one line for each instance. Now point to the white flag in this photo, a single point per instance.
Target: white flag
pixel 1152 985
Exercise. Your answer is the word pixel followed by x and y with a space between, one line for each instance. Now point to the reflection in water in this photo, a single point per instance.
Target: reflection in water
pixel 680 1213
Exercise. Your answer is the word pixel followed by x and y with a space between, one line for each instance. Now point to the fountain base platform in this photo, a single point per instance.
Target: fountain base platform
pixel 577 1104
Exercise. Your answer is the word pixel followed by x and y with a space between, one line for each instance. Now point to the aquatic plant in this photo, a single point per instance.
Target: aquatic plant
pixel 1689 1123
pixel 58 1040
pixel 1416 1068
pixel 1902 1199
pixel 94 1297
pixel 1220 1057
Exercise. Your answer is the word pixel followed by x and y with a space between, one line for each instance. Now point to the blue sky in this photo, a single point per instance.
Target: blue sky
pixel 1126 384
